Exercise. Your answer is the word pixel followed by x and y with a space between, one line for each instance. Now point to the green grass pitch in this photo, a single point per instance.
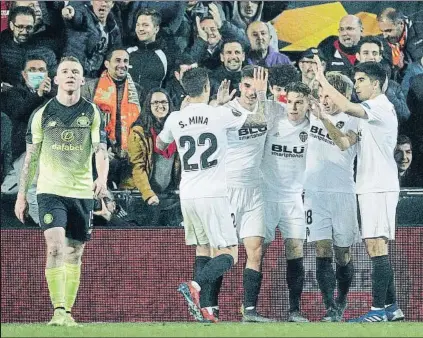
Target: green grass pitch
pixel 225 329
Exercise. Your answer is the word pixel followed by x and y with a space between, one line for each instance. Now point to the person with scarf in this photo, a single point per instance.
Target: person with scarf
pixel 118 97
pixel 154 171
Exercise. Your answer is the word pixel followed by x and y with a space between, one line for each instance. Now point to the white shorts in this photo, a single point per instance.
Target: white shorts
pixel 247 205
pixel 209 221
pixel 332 215
pixel 378 211
pixel 288 216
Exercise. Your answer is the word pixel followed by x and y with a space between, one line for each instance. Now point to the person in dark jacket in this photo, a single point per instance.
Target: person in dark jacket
pixel 404 37
pixel 370 49
pixel 151 58
pixel 232 57
pixel 6 146
pixel 174 85
pixel 17 41
pixel 20 101
pixel 91 32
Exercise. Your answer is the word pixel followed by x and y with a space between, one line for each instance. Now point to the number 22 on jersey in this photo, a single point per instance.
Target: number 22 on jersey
pixel 207 149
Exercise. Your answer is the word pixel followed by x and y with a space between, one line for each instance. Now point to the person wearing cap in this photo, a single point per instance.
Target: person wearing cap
pixel 308 75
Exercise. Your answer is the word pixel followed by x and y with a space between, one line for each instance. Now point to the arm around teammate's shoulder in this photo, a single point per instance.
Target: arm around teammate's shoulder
pixel 342 140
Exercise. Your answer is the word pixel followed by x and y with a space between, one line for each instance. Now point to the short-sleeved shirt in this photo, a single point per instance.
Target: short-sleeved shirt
pixel 376 167
pixel 67 135
pixel 284 159
pixel 328 168
pixel 247 143
pixel 200 134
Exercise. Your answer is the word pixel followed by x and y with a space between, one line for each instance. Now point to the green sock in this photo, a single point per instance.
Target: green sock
pixel 56 285
pixel 73 275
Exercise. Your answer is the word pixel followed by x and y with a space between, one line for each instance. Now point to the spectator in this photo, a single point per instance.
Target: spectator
pixel 212 30
pixel 246 12
pixel 279 77
pixel 6 146
pixel 44 34
pixel 404 157
pixel 154 171
pixel 92 31
pixel 404 37
pixel 151 58
pixel 20 101
pixel 261 53
pixel 370 49
pixel 174 86
pixel 118 97
pixel 413 70
pixel 306 63
pixel 232 57
pixel 16 42
pixel 341 50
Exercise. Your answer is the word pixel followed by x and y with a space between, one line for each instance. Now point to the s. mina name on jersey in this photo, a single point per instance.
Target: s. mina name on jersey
pixel 195 120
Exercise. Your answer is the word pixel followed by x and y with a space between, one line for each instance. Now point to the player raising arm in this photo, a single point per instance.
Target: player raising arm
pixel 377 176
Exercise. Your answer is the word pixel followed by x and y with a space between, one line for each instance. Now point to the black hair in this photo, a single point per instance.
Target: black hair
pixel 34 55
pixel 225 42
pixel 20 10
pixel 404 139
pixel 281 75
pixel 194 81
pixel 109 54
pixel 374 70
pixel 146 119
pixel 370 39
pixel 156 17
pixel 298 87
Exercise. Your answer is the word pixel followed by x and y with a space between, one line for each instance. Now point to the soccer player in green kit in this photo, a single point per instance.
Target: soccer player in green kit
pixel 61 138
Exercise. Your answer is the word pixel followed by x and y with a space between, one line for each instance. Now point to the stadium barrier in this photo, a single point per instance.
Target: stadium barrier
pixel 132 275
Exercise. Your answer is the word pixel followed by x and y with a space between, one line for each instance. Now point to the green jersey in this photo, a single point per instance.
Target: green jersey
pixel 67 135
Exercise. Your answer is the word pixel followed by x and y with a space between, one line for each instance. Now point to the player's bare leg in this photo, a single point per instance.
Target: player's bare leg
pixel 74 250
pixel 294 251
pixel 55 273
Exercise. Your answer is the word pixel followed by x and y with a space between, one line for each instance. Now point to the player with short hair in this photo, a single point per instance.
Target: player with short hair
pixel 330 200
pixel 200 134
pixel 377 176
pixel 282 170
pixel 61 138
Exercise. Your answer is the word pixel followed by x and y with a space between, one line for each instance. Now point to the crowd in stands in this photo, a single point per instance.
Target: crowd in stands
pixel 135 53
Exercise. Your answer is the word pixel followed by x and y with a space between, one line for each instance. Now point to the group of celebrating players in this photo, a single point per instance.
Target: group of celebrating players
pixel 246 162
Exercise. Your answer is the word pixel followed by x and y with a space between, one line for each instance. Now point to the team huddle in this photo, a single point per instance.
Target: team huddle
pixel 246 162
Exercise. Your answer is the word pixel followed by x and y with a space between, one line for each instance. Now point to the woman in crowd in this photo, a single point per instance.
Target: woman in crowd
pixel 154 172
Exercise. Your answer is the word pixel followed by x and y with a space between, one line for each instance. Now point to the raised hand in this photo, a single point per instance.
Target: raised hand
pixel 214 11
pixel 200 31
pixel 44 87
pixel 260 78
pixel 318 69
pixel 223 95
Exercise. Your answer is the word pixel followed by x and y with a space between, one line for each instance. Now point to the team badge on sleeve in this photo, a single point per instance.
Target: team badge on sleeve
pixel 340 124
pixel 303 136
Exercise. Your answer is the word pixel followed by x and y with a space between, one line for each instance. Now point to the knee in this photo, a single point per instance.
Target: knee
pixel 55 249
pixel 74 254
pixel 294 248
pixel 324 248
pixel 376 247
pixel 232 251
pixel 342 256
pixel 254 249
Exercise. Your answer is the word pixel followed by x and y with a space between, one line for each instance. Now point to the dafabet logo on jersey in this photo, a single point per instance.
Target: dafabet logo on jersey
pixel 68 137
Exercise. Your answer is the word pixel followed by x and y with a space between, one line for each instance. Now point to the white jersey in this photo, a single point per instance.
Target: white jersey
pixel 328 168
pixel 376 167
pixel 200 134
pixel 284 159
pixel 247 143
